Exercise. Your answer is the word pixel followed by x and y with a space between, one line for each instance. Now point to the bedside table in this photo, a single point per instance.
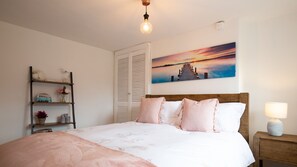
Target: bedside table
pixel 281 149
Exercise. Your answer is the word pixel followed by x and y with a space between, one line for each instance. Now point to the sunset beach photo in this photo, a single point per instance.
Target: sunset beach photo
pixel 207 63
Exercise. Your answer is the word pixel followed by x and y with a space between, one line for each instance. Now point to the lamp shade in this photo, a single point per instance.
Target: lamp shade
pixel 276 110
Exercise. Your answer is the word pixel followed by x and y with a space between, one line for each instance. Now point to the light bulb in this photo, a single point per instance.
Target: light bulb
pixel 146 27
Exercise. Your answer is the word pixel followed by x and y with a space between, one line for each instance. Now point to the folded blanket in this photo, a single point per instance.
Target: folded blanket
pixel 59 149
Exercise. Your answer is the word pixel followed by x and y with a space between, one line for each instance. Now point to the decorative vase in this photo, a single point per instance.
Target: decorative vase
pixel 41 121
pixel 63 98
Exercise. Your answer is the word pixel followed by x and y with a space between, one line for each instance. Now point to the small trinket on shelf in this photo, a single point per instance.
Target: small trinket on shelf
pixel 63 93
pixel 64 118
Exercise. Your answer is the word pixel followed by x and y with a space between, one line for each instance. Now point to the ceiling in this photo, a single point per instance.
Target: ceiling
pixel 114 24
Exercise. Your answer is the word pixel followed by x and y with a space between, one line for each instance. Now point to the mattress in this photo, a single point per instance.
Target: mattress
pixel 165 145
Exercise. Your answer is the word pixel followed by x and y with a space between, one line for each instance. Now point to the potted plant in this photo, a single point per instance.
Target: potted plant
pixel 41 116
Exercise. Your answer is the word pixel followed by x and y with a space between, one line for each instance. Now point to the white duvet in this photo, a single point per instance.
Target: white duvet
pixel 166 146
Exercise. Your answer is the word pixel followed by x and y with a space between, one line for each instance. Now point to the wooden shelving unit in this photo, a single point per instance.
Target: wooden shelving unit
pixel 51 103
pixel 51 124
pixel 33 103
pixel 52 82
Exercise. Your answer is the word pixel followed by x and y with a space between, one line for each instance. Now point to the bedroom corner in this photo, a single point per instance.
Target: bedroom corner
pixel 93 78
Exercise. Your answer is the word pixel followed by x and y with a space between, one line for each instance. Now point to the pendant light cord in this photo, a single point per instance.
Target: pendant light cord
pixel 146 16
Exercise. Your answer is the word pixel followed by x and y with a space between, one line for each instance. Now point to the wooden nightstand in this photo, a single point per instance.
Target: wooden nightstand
pixel 281 149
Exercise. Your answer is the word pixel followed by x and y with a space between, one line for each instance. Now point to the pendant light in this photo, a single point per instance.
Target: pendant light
pixel 146 27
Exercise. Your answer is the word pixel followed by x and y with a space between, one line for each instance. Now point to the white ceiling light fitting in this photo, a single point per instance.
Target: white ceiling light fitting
pixel 146 27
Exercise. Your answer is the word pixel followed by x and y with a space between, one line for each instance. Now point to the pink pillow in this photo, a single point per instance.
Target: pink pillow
pixel 150 109
pixel 199 116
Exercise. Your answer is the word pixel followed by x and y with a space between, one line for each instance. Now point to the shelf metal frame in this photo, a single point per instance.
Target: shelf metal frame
pixel 34 103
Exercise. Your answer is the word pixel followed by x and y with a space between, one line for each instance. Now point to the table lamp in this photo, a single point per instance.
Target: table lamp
pixel 275 111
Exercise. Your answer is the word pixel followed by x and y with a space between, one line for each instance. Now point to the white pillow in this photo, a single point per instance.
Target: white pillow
pixel 227 117
pixel 170 113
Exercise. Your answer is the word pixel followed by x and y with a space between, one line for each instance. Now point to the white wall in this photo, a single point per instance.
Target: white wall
pixel 92 69
pixel 268 56
pixel 204 37
pixel 266 65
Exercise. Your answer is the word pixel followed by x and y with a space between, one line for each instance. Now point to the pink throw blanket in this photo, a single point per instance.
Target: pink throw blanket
pixel 59 149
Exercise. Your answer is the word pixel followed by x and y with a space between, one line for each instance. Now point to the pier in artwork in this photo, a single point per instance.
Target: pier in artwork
pixel 187 72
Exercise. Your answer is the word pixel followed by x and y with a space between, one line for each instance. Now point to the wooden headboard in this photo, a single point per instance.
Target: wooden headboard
pixel 223 98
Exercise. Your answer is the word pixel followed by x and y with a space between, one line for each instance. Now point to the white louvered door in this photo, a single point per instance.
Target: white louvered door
pixel 122 65
pixel 130 82
pixel 138 82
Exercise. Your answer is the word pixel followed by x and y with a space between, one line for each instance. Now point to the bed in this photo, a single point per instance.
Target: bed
pixel 136 144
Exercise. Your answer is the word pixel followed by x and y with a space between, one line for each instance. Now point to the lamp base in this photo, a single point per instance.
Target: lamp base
pixel 275 127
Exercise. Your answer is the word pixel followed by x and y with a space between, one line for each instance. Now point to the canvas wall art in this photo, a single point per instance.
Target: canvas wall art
pixel 207 63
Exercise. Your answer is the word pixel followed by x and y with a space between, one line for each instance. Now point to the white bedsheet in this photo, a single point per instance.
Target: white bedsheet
pixel 166 146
